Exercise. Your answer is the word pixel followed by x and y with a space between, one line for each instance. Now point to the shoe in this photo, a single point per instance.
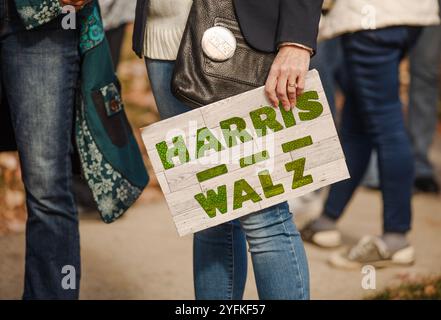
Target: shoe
pixel 306 205
pixel 322 238
pixel 372 251
pixel 426 184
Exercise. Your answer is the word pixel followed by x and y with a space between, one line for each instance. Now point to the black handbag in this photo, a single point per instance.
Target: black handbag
pixel 199 80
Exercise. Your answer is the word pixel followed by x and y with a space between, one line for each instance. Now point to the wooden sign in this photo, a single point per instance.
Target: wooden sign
pixel 239 155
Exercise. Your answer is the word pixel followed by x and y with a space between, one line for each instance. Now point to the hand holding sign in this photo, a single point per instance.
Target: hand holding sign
pixel 286 79
pixel 240 155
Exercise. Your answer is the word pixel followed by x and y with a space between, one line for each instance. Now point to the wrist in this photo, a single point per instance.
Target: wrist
pixel 296 45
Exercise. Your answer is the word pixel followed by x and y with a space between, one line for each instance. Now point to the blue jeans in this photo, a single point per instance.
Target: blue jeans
pixel 425 58
pixel 39 71
pixel 220 255
pixel 328 61
pixel 372 119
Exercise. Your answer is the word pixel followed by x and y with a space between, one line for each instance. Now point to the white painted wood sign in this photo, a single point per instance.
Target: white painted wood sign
pixel 239 155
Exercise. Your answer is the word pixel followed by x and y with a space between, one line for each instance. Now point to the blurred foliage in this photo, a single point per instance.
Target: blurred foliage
pixel 418 289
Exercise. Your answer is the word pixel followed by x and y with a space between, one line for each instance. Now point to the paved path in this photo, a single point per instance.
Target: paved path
pixel 141 256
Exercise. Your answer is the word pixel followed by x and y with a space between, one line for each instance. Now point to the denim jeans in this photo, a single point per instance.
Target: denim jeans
pixel 39 71
pixel 425 58
pixel 372 119
pixel 220 256
pixel 328 61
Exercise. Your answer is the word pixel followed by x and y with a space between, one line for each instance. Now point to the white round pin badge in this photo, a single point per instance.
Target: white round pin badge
pixel 219 43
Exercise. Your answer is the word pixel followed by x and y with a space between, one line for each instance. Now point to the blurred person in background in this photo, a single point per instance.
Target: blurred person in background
pixel 328 61
pixel 425 59
pixel 220 252
pixel 376 36
pixel 423 100
pixel 422 112
pixel 117 14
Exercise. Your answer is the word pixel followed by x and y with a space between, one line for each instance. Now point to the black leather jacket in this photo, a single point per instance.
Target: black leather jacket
pixel 264 23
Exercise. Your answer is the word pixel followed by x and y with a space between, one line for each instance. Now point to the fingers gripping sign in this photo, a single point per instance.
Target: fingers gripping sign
pixel 286 79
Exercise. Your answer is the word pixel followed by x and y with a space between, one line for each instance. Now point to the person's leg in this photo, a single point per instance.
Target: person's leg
pixel 373 59
pixel 373 68
pixel 160 74
pixel 39 71
pixel 219 257
pixel 220 262
pixel 372 117
pixel 279 260
pixel 425 59
pixel 357 148
pixel 384 117
pixel 328 61
pixel 115 39
pixel 371 178
pixel 355 142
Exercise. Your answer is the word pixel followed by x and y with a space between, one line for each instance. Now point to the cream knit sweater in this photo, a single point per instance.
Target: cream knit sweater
pixel 354 15
pixel 165 25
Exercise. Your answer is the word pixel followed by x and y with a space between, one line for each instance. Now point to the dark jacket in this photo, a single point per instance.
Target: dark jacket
pixel 264 23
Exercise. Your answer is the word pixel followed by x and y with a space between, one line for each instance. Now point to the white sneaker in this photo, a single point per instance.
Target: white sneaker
pixel 373 251
pixel 322 238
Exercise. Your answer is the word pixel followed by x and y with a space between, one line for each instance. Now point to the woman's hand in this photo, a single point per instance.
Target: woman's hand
pixel 286 79
pixel 77 4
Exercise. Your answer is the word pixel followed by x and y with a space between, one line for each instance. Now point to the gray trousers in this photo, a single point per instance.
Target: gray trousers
pixel 425 60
